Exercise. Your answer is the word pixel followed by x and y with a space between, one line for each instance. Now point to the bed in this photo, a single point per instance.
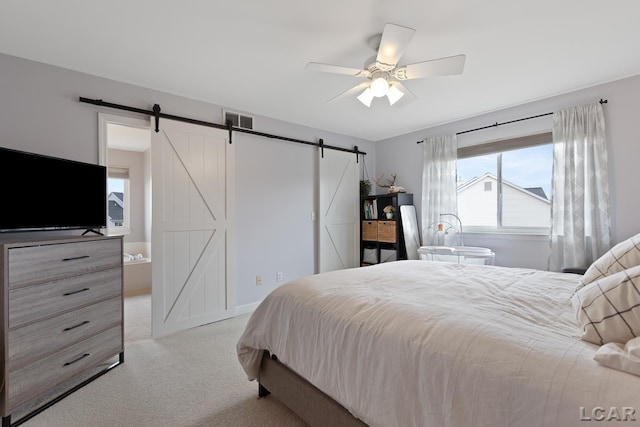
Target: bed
pixel 422 343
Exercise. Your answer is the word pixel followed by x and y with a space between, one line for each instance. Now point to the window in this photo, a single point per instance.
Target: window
pixel 118 200
pixel 506 185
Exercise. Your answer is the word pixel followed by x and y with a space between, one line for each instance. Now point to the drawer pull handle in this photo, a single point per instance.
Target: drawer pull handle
pixel 76 326
pixel 76 292
pixel 76 360
pixel 75 258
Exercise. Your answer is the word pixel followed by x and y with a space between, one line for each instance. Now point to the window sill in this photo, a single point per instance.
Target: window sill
pixel 118 231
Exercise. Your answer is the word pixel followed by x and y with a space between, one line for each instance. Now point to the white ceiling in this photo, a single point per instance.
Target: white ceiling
pixel 249 55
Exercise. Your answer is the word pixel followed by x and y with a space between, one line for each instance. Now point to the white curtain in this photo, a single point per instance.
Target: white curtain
pixel 580 230
pixel 439 191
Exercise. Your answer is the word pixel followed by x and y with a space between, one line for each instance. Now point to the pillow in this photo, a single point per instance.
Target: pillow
pixel 623 358
pixel 625 254
pixel 608 310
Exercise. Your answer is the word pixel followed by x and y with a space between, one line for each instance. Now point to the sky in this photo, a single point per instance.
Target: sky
pixel 526 168
pixel 115 186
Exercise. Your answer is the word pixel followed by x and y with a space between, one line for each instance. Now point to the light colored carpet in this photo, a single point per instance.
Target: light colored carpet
pixel 191 378
pixel 137 322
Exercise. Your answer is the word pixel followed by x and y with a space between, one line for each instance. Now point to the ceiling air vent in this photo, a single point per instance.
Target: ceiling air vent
pixel 238 120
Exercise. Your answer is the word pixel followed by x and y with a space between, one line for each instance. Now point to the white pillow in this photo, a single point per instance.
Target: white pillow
pixel 608 310
pixel 623 358
pixel 625 254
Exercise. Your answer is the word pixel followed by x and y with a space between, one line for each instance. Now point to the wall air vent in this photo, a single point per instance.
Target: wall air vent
pixel 237 119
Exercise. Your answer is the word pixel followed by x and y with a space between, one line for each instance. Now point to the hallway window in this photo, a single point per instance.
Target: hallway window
pixel 118 200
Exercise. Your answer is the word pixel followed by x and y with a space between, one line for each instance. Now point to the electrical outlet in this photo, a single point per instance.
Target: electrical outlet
pixel 279 276
pixel 258 280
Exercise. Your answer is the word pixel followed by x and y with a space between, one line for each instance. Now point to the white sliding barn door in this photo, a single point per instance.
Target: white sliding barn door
pixel 193 279
pixel 339 207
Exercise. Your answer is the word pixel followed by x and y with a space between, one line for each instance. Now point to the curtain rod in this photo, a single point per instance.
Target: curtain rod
pixel 157 115
pixel 496 124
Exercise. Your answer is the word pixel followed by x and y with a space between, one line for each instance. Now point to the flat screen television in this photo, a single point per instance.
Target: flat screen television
pixel 48 193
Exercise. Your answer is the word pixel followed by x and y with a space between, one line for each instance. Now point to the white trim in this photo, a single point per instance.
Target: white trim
pixel 103 147
pixel 247 308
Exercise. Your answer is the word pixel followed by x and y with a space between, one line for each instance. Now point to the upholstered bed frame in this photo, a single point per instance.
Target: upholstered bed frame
pixel 302 397
pixel 495 344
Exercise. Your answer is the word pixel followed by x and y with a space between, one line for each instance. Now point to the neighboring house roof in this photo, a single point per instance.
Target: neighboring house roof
pixel 536 192
pixel 116 197
pixel 116 206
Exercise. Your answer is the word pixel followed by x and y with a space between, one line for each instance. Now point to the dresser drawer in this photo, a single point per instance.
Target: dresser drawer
pixel 30 303
pixel 32 381
pixel 31 342
pixel 33 264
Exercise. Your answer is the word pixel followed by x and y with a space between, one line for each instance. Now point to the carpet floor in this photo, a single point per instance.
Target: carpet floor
pixel 191 378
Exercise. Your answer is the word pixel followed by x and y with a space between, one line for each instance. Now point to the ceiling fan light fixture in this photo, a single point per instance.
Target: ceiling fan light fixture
pixel 366 97
pixel 379 87
pixel 382 74
pixel 394 94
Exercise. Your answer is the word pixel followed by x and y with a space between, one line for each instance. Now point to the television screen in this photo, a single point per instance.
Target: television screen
pixel 48 193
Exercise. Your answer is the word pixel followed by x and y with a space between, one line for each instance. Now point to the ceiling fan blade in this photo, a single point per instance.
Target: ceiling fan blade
pixel 350 92
pixel 436 67
pixel 408 97
pixel 336 69
pixel 393 43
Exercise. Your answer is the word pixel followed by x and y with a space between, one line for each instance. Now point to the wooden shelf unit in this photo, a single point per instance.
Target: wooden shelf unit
pixel 381 238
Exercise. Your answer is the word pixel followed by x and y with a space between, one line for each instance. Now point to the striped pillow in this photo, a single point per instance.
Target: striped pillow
pixel 625 254
pixel 608 309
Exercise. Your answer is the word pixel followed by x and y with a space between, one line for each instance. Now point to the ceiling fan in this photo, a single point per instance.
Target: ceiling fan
pixel 382 72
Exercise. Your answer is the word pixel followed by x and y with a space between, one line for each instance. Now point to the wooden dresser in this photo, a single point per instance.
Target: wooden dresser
pixel 62 316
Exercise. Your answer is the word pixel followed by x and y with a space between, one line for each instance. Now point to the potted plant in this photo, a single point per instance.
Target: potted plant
pixel 365 187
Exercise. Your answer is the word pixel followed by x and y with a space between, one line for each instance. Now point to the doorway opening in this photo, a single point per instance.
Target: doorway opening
pixel 125 148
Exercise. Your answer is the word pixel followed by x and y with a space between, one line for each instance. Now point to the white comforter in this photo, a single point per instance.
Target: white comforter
pixel 418 343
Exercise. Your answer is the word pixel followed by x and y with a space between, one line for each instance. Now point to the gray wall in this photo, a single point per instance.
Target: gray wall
pixel 276 181
pixel 403 155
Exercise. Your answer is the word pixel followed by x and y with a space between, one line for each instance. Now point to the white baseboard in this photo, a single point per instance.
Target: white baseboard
pixel 247 308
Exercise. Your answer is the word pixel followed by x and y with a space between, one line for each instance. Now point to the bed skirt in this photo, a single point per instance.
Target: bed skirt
pixel 303 398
